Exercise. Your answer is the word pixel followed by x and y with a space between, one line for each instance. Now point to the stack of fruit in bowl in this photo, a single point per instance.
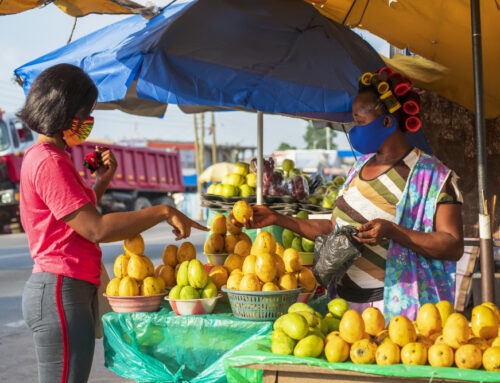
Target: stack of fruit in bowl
pixel 240 183
pixel 439 336
pixel 135 286
pixel 295 241
pixel 172 258
pixel 195 292
pixel 225 240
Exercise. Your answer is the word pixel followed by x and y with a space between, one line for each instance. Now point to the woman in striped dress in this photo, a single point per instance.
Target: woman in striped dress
pixel 405 204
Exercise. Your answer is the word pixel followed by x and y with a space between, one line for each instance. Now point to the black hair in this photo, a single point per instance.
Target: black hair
pixel 55 97
pixel 382 108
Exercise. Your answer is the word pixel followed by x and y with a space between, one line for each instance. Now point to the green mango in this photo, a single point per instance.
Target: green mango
pixel 182 274
pixel 295 326
pixel 311 346
pixel 287 238
pixel 307 245
pixel 311 319
pixel 197 275
pixel 297 244
pixel 283 346
pixel 189 292
pixel 175 293
pixel 210 291
pixel 299 306
pixel 302 214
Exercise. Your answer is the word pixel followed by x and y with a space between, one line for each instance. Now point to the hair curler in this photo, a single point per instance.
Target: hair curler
pixel 411 103
pixel 378 82
pixel 413 123
pixel 385 71
pixel 365 79
pixel 391 103
pixel 401 85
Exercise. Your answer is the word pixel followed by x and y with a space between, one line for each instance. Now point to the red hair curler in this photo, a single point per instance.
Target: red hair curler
pixel 411 103
pixel 385 71
pixel 413 124
pixel 401 85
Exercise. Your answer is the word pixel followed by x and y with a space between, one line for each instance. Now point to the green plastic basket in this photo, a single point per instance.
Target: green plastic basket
pixel 261 306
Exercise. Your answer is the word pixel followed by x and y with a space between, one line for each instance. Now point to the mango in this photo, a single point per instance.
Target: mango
pixel 331 322
pixel 242 248
pixel 219 276
pixel 113 287
pixel 210 291
pixel 381 337
pixel 197 275
pixel 337 350
pixel 429 320
pixel 307 279
pixel 231 227
pixel 134 245
pixel 374 320
pixel 278 323
pixel 284 345
pixel 287 238
pixel 337 307
pixel 249 263
pixel 270 286
pixel 234 280
pixel 149 266
pixel 186 252
pixel 230 243
pixel 468 357
pixel 169 256
pixel 299 306
pixel 137 267
pixel 265 267
pixel 484 322
pixel 307 245
pixel 479 342
pixel 363 352
pixel 493 308
pixel 128 287
pixel 242 211
pixel 387 353
pixel 297 244
pixel 249 282
pixel 279 250
pixel 214 244
pixel 120 266
pixel 311 319
pixel 445 309
pixel 414 354
pixel 150 286
pixel 182 274
pixel 162 284
pixel 292 260
pixel 491 359
pixel 175 293
pixel 288 281
pixel 402 331
pixel 456 331
pixel 264 243
pixel 189 292
pixel 233 262
pixel 218 225
pixel 440 355
pixel 310 347
pixel 294 325
pixel 167 274
pixel 352 327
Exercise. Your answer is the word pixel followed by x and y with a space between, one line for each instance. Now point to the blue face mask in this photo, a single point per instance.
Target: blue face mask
pixel 368 138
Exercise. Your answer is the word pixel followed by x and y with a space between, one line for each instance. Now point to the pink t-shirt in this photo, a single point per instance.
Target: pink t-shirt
pixel 51 188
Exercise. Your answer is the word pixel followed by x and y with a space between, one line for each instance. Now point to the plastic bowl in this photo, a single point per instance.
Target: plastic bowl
pixel 193 306
pixel 305 296
pixel 138 303
pixel 307 258
pixel 217 259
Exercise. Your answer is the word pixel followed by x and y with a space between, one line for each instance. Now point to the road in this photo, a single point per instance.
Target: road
pixel 18 361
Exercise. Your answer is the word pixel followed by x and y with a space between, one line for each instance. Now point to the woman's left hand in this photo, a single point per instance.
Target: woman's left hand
pixel 373 232
pixel 106 172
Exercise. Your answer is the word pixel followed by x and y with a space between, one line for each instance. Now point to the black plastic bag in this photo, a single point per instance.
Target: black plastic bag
pixel 334 253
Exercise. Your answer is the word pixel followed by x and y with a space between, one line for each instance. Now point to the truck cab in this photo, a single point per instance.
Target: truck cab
pixel 15 138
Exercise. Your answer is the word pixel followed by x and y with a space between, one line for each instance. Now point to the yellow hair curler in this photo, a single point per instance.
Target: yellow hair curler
pixel 391 103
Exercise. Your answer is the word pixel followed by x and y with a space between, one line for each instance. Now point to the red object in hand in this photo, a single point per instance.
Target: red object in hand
pixel 93 161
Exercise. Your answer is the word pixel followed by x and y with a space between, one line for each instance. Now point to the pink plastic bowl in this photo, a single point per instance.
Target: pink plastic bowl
pixel 139 303
pixel 305 296
pixel 194 306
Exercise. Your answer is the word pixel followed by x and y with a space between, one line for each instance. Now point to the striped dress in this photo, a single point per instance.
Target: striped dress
pixel 364 200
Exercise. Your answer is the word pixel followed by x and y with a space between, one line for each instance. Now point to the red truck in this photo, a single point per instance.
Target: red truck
pixel 144 177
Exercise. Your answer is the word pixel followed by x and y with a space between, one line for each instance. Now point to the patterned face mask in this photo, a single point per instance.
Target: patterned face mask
pixel 79 131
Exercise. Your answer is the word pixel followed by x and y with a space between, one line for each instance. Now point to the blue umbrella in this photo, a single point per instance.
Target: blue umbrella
pixel 274 56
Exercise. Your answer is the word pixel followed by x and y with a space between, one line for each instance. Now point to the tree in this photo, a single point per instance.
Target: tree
pixel 286 146
pixel 316 138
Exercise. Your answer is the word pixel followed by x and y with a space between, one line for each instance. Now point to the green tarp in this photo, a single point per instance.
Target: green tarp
pixel 164 347
pixel 258 351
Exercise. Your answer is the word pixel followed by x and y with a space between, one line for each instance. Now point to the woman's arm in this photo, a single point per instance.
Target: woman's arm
pixel 95 227
pixel 309 228
pixel 446 243
pixel 104 173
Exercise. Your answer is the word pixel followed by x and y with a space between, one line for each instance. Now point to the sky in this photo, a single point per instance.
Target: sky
pixel 31 34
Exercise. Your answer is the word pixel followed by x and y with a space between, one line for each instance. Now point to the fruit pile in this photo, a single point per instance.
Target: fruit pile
pixel 439 337
pixel 172 258
pixel 193 282
pixel 220 242
pixel 239 183
pixel 295 241
pixel 134 272
pixel 325 194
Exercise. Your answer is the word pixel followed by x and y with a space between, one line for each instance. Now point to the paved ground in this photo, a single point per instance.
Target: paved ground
pixel 18 361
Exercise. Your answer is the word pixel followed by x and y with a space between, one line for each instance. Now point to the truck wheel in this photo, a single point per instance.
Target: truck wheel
pixel 141 203
pixel 166 200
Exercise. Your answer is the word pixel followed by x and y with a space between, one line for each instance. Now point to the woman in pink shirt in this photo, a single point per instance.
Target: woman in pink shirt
pixel 64 228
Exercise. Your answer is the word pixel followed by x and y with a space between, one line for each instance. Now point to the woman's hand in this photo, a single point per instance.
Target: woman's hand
pixel 182 225
pixel 107 170
pixel 262 217
pixel 373 232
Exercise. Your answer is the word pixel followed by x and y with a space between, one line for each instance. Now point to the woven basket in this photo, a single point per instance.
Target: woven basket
pixel 261 306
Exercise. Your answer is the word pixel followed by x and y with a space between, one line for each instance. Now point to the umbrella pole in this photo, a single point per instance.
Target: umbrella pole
pixel 486 243
pixel 197 163
pixel 260 155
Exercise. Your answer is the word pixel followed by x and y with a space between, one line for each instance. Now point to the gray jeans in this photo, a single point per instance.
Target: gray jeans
pixel 60 312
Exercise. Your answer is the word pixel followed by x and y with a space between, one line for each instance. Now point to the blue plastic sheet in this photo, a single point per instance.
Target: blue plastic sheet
pixel 164 347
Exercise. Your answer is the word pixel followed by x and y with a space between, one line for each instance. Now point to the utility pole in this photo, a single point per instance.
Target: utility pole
pixel 328 139
pixel 202 143
pixel 214 146
pixel 197 162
